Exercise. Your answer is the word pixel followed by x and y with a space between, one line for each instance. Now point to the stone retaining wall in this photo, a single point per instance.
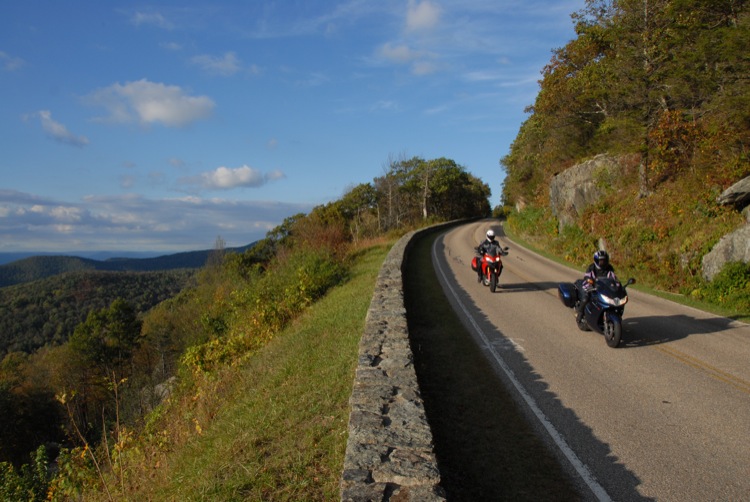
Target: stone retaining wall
pixel 389 454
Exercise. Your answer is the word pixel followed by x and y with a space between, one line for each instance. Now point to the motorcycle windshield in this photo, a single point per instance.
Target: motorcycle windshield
pixel 611 288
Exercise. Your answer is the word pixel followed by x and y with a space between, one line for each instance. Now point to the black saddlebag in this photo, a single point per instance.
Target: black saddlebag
pixel 567 293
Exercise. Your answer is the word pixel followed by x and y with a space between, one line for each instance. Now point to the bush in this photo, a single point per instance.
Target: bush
pixel 730 287
pixel 30 483
pixel 289 285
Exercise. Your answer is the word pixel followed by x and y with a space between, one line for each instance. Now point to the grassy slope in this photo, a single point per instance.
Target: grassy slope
pixel 281 432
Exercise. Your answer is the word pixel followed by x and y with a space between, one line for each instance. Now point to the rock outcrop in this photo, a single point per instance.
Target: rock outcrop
pixel 734 246
pixel 580 186
pixel 737 195
pixel 731 247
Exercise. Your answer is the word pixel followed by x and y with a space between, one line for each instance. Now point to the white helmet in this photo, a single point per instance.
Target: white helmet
pixel 491 234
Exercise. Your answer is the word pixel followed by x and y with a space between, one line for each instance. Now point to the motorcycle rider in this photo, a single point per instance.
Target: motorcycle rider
pixel 600 268
pixel 483 247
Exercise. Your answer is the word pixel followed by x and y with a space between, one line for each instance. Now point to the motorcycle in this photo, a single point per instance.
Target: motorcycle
pixel 604 311
pixel 492 265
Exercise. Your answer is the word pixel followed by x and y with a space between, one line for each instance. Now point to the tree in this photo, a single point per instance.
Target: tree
pixel 103 346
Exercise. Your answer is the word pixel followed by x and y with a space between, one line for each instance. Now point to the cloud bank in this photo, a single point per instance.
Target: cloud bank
pixel 148 102
pixel 134 223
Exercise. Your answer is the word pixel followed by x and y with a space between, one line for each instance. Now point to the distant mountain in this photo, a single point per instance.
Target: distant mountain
pixel 41 266
pixel 9 257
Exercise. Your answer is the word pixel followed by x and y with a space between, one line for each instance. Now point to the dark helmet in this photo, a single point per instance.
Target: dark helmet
pixel 601 258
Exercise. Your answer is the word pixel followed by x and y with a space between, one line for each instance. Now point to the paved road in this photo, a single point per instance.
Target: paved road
pixel 664 417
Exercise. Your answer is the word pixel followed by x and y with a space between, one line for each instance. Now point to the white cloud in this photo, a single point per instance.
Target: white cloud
pixel 225 178
pixel 420 62
pixel 150 102
pixel 226 65
pixel 423 15
pixel 10 63
pixel 151 18
pixel 57 131
pixel 397 53
pixel 171 46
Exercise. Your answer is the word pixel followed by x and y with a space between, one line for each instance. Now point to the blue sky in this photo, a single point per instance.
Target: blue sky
pixel 160 126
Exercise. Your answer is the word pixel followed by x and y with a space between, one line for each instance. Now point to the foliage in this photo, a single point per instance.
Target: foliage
pixel 730 288
pixel 45 312
pixel 663 79
pixel 661 82
pixel 27 484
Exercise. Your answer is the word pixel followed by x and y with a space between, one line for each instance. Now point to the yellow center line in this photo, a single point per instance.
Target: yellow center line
pixel 710 370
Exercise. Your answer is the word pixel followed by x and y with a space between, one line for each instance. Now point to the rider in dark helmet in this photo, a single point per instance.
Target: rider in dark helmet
pixel 600 268
pixel 483 247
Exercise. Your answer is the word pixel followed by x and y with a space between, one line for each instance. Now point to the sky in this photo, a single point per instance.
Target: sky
pixel 162 126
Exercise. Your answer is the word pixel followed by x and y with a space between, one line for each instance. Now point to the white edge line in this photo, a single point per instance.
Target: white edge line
pixel 578 465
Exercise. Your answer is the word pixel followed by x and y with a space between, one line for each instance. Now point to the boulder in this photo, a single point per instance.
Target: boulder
pixel 731 247
pixel 580 186
pixel 737 195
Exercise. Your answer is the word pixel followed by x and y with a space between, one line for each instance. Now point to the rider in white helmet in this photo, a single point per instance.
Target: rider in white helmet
pixel 483 247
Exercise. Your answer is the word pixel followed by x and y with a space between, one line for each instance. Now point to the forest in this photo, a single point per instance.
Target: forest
pixel 38 267
pixel 88 400
pixel 663 86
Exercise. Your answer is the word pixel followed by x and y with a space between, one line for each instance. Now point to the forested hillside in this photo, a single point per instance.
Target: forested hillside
pixel 39 267
pixel 45 312
pixel 131 385
pixel 663 86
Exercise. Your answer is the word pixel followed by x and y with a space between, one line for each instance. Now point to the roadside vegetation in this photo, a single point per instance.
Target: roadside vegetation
pixel 223 391
pixel 662 85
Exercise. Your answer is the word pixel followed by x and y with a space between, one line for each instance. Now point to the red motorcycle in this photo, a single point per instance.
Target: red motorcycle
pixel 492 265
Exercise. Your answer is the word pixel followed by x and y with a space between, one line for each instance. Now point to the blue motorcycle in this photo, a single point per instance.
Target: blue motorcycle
pixel 604 311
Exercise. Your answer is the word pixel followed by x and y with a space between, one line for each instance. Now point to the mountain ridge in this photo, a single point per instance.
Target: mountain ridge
pixel 41 266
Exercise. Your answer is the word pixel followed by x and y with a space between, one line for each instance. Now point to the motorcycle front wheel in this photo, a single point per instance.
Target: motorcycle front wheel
pixel 493 281
pixel 612 330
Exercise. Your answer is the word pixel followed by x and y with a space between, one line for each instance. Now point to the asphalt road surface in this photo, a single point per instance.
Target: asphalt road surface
pixel 665 416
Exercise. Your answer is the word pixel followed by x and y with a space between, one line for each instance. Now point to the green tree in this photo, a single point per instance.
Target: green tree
pixel 102 346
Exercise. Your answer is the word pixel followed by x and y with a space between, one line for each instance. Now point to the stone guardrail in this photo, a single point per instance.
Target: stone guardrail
pixel 389 453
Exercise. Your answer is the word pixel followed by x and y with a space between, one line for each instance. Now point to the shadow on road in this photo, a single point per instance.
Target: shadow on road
pixel 653 330
pixel 489 444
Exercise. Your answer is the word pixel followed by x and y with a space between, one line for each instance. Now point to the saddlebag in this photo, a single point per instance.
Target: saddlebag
pixel 567 293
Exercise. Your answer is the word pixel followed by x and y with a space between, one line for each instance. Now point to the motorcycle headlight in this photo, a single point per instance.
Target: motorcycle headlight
pixel 615 302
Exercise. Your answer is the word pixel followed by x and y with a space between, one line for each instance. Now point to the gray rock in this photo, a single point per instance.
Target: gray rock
pixel 731 247
pixel 580 186
pixel 737 195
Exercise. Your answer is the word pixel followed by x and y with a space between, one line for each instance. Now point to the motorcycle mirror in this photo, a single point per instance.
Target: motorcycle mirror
pixel 630 281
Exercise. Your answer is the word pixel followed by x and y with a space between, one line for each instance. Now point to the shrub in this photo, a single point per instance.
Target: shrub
pixel 731 287
pixel 29 483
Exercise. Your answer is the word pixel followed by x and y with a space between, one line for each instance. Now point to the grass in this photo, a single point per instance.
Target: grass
pixel 486 450
pixel 281 432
